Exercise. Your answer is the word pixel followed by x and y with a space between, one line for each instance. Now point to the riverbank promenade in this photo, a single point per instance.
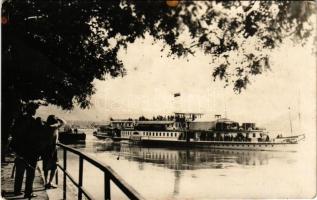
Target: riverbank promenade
pixel 7 182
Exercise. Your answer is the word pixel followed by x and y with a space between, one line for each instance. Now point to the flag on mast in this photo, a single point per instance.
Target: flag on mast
pixel 177 94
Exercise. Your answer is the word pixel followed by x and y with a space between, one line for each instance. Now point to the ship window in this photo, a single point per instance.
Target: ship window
pixel 156 134
pixel 167 135
pixel 160 134
pixel 253 134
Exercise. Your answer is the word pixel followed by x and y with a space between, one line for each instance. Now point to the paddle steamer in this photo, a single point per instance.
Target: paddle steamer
pixel 187 130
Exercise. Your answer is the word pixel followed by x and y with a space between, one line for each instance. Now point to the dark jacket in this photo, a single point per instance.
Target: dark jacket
pixel 24 138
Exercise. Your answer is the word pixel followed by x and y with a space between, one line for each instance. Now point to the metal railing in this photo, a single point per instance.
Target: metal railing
pixel 109 174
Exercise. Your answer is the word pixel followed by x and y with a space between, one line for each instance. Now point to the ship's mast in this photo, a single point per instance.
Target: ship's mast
pixel 290 120
pixel 299 115
pixel 225 110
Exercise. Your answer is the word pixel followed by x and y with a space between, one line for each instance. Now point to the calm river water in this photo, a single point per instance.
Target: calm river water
pixel 167 173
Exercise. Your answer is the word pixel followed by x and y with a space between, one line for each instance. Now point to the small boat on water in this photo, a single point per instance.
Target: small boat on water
pixel 69 136
pixel 186 130
pixel 289 139
pixel 105 132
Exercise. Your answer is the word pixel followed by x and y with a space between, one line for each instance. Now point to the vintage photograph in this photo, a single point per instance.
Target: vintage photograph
pixel 158 99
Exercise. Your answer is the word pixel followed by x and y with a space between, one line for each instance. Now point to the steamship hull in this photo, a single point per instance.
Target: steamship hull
pixel 258 146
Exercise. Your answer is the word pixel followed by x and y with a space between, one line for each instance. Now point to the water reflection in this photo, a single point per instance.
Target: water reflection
pixel 185 159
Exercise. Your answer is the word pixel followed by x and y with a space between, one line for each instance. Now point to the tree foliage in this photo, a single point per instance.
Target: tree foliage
pixel 53 50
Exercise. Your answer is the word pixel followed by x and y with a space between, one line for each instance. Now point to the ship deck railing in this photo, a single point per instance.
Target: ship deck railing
pixel 109 175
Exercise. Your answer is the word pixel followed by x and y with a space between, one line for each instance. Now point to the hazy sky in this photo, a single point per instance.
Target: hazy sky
pixel 152 79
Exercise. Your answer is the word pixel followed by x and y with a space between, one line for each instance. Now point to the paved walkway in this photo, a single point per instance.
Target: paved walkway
pixel 7 182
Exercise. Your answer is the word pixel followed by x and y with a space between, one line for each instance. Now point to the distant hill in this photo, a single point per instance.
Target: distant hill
pixel 84 124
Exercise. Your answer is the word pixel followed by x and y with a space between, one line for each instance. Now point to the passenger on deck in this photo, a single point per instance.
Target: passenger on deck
pixel 267 138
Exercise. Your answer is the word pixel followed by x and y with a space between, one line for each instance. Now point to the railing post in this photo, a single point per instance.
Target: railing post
pixel 64 178
pixel 56 177
pixel 107 185
pixel 80 178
